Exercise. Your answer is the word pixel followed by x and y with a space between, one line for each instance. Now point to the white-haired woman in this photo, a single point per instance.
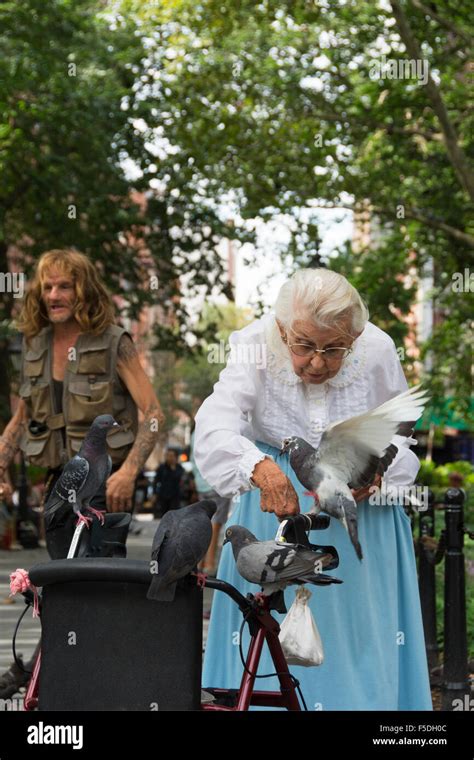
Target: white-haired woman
pixel 315 360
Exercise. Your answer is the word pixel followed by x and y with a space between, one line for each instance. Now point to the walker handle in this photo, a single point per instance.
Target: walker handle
pixel 294 529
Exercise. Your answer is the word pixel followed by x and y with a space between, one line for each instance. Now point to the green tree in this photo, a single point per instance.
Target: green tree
pixel 78 166
pixel 284 106
pixel 184 383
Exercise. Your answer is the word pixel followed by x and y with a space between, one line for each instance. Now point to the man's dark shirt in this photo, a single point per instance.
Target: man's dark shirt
pixel 170 481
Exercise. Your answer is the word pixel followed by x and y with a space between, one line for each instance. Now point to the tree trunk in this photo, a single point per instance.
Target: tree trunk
pixel 455 153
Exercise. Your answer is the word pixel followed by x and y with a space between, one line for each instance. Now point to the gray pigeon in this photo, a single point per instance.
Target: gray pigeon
pixel 351 453
pixel 273 565
pixel 181 541
pixel 83 476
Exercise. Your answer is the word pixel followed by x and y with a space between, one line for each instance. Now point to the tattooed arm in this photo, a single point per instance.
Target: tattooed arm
pixel 120 484
pixel 11 436
pixel 10 443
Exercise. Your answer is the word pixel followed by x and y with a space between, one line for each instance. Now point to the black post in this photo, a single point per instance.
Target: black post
pixel 427 583
pixel 455 670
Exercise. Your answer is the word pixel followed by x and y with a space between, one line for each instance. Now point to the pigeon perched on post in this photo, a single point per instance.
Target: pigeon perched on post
pixel 274 566
pixel 181 541
pixel 83 476
pixel 351 453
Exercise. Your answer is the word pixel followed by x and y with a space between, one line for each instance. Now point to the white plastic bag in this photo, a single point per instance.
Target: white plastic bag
pixel 299 635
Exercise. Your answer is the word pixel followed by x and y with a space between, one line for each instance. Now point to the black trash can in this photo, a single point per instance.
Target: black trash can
pixel 105 646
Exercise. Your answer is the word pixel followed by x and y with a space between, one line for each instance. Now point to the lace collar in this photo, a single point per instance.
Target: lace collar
pixel 279 363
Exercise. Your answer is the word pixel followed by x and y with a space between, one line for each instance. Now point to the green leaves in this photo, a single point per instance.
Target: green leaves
pixel 291 104
pixel 76 150
pixel 220 111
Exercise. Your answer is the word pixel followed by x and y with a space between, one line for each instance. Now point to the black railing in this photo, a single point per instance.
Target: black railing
pixel 427 583
pixel 449 547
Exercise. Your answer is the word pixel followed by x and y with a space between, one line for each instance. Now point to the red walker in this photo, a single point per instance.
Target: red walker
pixel 263 628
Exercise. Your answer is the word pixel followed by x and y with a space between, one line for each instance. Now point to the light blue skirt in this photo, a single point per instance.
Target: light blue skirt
pixel 370 625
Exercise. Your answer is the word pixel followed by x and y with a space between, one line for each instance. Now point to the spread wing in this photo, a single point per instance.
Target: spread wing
pixel 359 447
pixel 375 466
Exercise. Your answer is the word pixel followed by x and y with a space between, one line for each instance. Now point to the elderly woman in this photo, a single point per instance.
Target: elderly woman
pixel 315 360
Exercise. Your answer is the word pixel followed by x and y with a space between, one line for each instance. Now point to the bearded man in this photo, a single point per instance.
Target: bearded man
pixel 77 363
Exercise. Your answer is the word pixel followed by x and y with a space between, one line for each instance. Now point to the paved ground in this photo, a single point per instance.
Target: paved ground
pixel 138 547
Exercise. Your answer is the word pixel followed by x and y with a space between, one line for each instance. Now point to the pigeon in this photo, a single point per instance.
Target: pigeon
pixel 83 476
pixel 351 453
pixel 181 541
pixel 273 565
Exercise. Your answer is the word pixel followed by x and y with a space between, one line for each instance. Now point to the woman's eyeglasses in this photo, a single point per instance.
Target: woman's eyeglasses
pixel 331 355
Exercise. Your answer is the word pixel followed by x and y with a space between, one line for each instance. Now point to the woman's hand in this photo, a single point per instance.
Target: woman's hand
pixel 360 494
pixel 277 492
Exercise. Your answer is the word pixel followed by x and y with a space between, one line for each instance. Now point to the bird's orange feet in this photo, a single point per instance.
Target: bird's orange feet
pixel 83 519
pixel 201 579
pixel 99 513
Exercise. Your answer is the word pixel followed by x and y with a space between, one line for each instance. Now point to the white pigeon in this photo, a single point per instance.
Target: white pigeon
pixel 351 453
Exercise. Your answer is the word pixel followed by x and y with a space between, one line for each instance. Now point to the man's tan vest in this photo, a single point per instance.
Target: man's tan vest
pixel 91 387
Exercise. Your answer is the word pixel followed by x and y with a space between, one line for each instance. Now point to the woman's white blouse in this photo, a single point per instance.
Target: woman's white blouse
pixel 258 397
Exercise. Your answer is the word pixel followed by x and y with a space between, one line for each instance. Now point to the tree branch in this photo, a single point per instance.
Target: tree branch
pixel 455 152
pixel 390 128
pixel 428 11
pixel 437 224
pixel 410 213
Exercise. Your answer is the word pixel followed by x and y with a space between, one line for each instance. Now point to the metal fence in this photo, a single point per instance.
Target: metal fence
pixel 449 547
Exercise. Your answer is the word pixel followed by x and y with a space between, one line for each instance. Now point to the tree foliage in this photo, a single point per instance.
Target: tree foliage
pixel 78 163
pixel 215 111
pixel 286 106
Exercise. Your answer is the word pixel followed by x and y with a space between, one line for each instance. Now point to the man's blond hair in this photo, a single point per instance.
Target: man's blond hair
pixel 93 309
